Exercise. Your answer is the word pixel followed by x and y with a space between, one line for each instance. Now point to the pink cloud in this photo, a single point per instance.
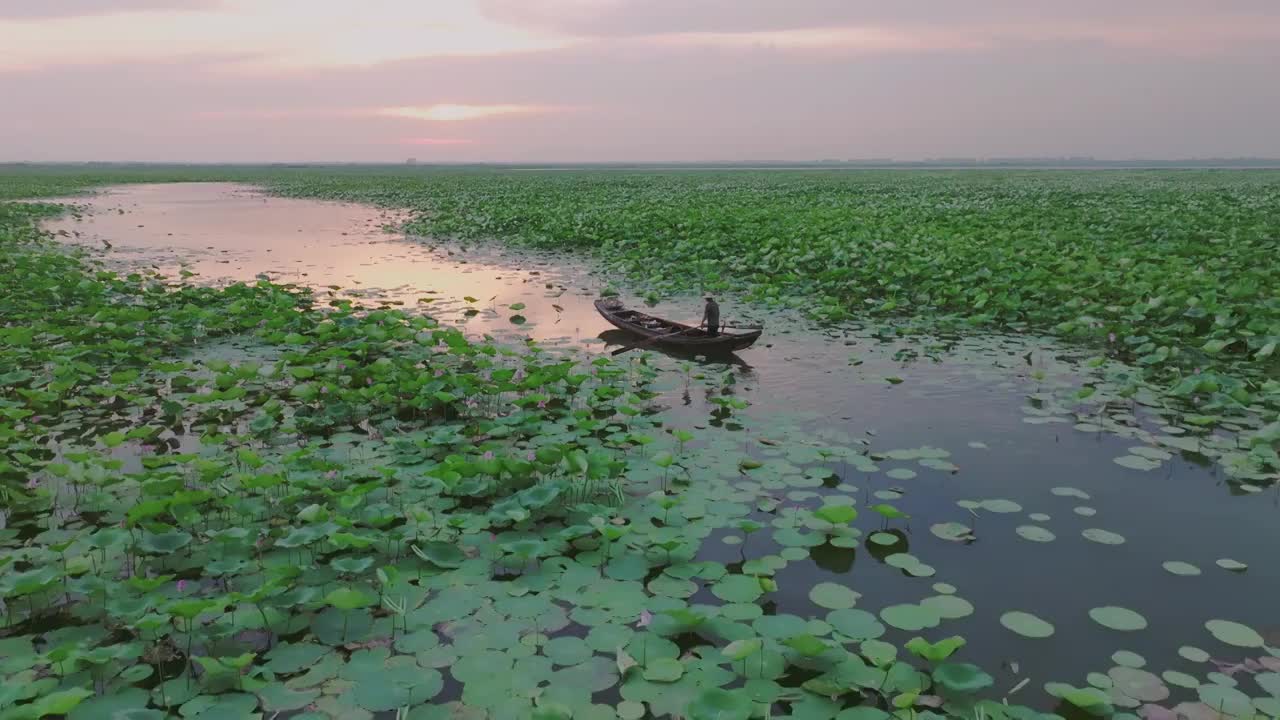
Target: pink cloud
pixel 436 141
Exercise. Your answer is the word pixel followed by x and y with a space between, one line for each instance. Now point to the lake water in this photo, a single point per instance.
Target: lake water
pixel 975 398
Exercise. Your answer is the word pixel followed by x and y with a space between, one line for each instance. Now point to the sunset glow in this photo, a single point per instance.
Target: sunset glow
pixel 436 141
pixel 662 80
pixel 448 112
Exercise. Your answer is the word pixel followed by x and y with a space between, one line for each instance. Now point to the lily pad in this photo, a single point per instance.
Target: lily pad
pixel 717 704
pixel 1135 462
pixel 1118 618
pixel 1035 533
pixel 1001 506
pixel 962 678
pixel 1026 624
pixel 1105 537
pixel 833 596
pixel 567 650
pixel 1234 633
pixel 909 617
pixel 737 588
pixel 1178 567
pixel 1070 492
pixel 856 624
pixel 663 670
pixel 951 531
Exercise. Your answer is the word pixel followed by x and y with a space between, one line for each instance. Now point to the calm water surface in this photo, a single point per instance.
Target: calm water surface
pixel 830 383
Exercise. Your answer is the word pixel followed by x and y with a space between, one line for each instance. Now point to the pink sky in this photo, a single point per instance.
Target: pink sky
pixel 641 80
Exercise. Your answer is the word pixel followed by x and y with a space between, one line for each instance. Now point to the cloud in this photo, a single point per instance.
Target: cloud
pixel 68 8
pixel 436 141
pixel 266 35
pixel 905 91
pixel 679 102
pixel 851 39
pixel 451 112
pixel 615 18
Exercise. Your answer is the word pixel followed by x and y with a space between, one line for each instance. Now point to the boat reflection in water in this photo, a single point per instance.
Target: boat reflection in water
pixel 618 339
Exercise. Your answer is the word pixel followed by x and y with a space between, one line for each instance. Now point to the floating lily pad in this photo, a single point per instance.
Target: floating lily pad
pixel 908 617
pixel 951 531
pixel 1233 565
pixel 962 678
pixel 1035 533
pixel 1105 537
pixel 1180 679
pixel 664 670
pixel 1194 654
pixel 1026 624
pixel 1000 505
pixel 884 538
pixel 1226 700
pixel 717 704
pixel 1070 492
pixel 1178 567
pixel 1135 462
pixel 567 650
pixel 948 607
pixel 856 624
pixel 1118 618
pixel 1138 684
pixel 737 588
pixel 1128 659
pixel 1233 633
pixel 833 596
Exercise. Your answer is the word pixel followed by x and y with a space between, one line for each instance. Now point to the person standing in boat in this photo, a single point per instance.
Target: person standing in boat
pixel 711 317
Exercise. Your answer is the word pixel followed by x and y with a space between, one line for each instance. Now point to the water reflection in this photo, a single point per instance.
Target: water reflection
pixel 833 559
pixel 621 339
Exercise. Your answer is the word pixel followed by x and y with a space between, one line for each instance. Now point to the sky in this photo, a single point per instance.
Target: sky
pixel 636 80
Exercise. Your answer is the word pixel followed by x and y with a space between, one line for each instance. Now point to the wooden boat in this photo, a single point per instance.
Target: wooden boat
pixel 667 333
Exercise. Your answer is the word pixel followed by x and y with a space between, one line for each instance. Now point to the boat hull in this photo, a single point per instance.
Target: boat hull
pixel 666 333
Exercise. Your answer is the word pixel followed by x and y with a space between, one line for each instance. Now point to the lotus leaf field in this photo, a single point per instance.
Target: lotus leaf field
pixel 249 501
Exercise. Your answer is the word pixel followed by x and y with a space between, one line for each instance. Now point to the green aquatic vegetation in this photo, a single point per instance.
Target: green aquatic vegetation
pixel 1186 284
pixel 375 513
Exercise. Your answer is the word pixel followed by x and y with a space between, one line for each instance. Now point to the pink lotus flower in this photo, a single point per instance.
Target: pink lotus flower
pixel 530 457
pixel 439 373
pixel 182 585
pixel 646 617
pixel 542 404
pixel 488 455
pixel 1111 337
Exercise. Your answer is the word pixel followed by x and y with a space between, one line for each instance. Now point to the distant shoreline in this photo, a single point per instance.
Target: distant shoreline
pixel 1207 164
